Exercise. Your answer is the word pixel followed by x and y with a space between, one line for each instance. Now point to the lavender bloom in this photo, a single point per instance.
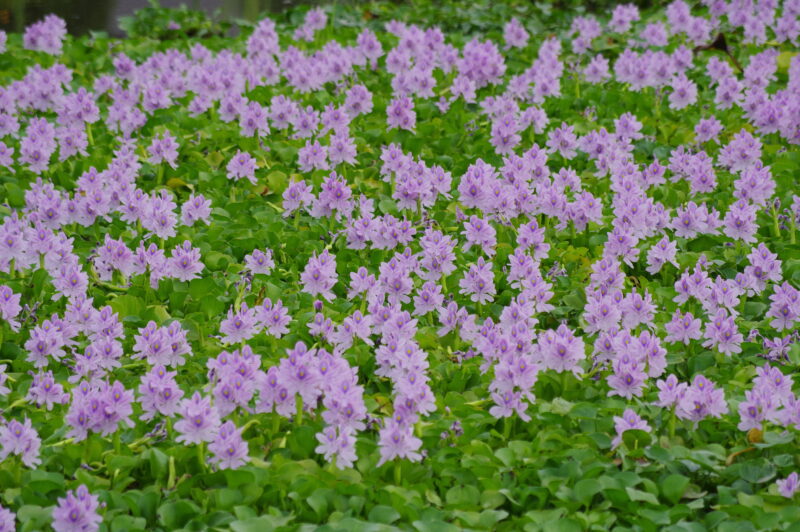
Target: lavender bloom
pixel 77 512
pixel 629 420
pixel 259 261
pixel 20 439
pixel 196 209
pixel 228 447
pixel 185 263
pixel 4 390
pixel 274 317
pixel 479 233
pixel 670 391
pixel 7 517
pixel 397 440
pixel 313 156
pixel 163 149
pixel 319 275
pixel 561 350
pixel 478 282
pixel 45 391
pixel 9 306
pixel 242 165
pixel 683 328
pixel 337 445
pixel 514 34
pixel 159 393
pixel 789 485
pixel 46 35
pixel 240 325
pixel 702 399
pixel 400 114
pixel 627 380
pixel 297 194
pixel 200 421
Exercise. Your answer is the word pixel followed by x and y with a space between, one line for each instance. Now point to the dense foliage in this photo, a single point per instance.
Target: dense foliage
pixel 419 266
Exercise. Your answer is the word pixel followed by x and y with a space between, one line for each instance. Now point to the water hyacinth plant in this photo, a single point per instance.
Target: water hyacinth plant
pixel 421 266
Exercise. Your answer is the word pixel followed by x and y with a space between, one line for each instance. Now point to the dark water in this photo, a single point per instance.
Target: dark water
pixel 83 16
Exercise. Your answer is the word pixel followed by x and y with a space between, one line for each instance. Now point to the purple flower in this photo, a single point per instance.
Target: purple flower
pixel 478 282
pixel 4 390
pixel 683 328
pixel 627 380
pixel 45 391
pixel 563 140
pixel 684 92
pixel 164 148
pixel 789 485
pixel 479 232
pixel 200 421
pixel 755 409
pixel 515 34
pixel 242 165
pixel 296 194
pixel 240 325
pixel 185 263
pixel 561 350
pixel 784 309
pixel 46 35
pixel 400 114
pixel 9 306
pixel 702 399
pixel 670 391
pixel 338 446
pixel 159 393
pixel 77 512
pixel 228 447
pixel 196 208
pixel 319 276
pixel 629 420
pixel 253 119
pixel 660 253
pixel 259 261
pixel 274 317
pixel 397 440
pixel 313 156
pixel 707 129
pixel 7 517
pixel 20 439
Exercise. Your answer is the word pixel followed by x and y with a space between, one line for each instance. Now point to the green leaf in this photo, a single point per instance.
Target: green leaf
pixel 463 496
pixel 127 305
pixel 641 496
pixel 673 487
pixel 383 514
pixel 174 515
pixel 585 489
pixel 263 523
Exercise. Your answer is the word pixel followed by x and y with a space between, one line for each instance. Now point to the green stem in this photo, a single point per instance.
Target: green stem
pixel 201 455
pixel 398 472
pixel 117 443
pixel 508 424
pixel 89 136
pixel 87 452
pixel 160 175
pixel 776 227
pixel 672 420
pixel 299 416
